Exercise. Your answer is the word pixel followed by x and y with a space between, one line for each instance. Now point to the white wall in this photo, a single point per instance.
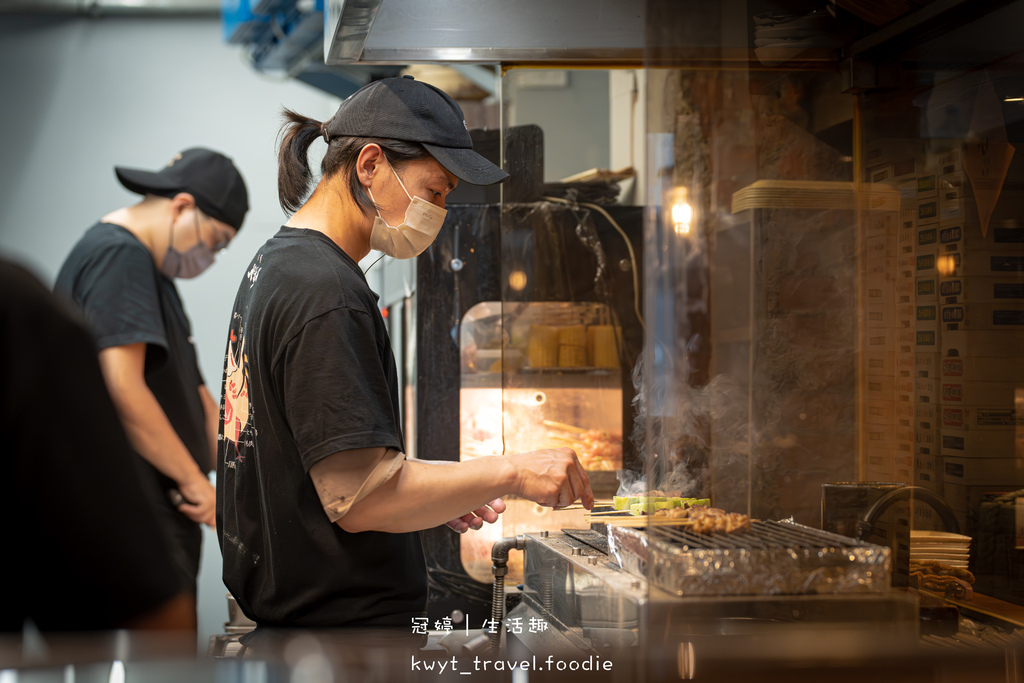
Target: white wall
pixel 628 130
pixel 81 95
pixel 573 113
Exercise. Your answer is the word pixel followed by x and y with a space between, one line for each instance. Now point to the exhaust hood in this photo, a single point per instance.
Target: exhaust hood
pixel 483 31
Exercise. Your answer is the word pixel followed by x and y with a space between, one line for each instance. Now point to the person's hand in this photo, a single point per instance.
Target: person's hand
pixel 553 477
pixel 201 500
pixel 475 520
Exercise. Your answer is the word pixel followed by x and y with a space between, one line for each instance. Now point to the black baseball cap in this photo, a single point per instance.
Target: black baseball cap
pixel 413 111
pixel 208 176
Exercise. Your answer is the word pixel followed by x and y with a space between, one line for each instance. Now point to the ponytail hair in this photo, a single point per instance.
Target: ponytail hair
pixel 293 173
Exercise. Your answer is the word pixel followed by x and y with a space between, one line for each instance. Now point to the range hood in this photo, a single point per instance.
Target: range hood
pixel 483 31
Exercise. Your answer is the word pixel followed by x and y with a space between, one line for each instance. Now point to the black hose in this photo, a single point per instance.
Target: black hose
pixel 866 524
pixel 499 558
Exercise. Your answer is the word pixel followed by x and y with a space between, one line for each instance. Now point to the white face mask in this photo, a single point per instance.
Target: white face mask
pixel 423 221
pixel 191 262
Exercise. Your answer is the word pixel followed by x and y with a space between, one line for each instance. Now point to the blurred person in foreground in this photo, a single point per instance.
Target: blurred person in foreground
pixel 83 548
pixel 318 508
pixel 121 275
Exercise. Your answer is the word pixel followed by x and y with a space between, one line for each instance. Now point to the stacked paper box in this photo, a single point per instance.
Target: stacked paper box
pixel 890 278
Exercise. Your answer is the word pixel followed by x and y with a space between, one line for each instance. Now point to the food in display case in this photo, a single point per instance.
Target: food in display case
pixel 537 375
pixel 541 375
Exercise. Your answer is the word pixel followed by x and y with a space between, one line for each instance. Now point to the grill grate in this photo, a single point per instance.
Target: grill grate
pixel 771 558
pixel 762 535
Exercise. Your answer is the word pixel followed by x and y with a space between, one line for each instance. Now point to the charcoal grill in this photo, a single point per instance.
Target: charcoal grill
pixel 649 590
pixel 770 558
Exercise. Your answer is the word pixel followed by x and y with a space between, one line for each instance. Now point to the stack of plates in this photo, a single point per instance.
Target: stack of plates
pixel 950 549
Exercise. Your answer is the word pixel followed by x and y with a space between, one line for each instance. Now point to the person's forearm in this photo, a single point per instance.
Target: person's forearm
pixel 152 436
pixel 409 501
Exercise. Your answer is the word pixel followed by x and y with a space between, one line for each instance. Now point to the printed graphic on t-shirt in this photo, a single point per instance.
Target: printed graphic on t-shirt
pixel 237 424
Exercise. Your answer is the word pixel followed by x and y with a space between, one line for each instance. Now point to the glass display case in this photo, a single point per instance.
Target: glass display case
pixel 797 223
pixel 834 270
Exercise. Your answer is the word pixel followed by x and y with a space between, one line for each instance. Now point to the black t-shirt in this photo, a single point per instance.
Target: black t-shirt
pixel 83 547
pixel 111 277
pixel 308 372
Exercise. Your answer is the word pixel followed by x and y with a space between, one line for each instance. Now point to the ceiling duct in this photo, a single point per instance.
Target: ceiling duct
pixel 119 7
pixel 486 31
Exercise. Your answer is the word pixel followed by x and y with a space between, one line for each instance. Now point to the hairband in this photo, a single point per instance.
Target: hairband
pixel 323 132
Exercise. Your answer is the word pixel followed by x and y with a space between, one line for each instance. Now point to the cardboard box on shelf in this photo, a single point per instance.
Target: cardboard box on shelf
pixel 881 223
pixel 879 435
pixel 881 258
pixel 927 212
pixel 905 287
pixel 957 211
pixel 983 316
pixel 907 190
pixel 978 263
pixel 929 480
pixel 926 340
pixel 881 340
pixel 905 409
pixel 904 314
pixel 926 422
pixel 882 314
pixel 880 363
pixel 968 235
pixel 906 217
pixel 964 498
pixel 981 343
pixel 927 236
pixel 880 413
pixel 1005 443
pixel 929 439
pixel 982 418
pixel 927 187
pixel 882 273
pixel 1006 472
pixel 926 364
pixel 926 390
pixel 880 388
pixel 905 154
pixel 905 381
pixel 879 292
pixel 944 155
pixel 928 472
pixel 926 262
pixel 928 463
pixel 982 369
pixel 905 167
pixel 968 290
pixel 878 465
pixel 906 265
pixel 928 412
pixel 882 173
pixel 967 393
pixel 926 316
pixel 905 340
pixel 926 289
pixel 905 437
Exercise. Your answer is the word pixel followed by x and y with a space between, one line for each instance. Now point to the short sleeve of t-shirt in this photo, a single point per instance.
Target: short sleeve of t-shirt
pixel 119 298
pixel 335 386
